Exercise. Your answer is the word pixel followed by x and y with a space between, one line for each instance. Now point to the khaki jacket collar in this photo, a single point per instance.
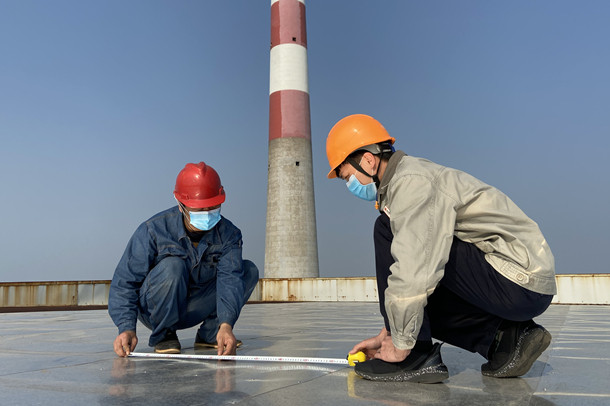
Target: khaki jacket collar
pixel 390 169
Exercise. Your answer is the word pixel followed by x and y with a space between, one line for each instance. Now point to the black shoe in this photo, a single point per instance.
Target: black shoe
pixel 169 344
pixel 516 349
pixel 200 343
pixel 419 367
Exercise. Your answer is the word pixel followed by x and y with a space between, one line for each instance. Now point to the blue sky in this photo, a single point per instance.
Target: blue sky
pixel 103 102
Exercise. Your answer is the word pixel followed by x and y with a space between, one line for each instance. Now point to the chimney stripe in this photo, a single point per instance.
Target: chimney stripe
pixel 288 68
pixel 289 115
pixel 288 23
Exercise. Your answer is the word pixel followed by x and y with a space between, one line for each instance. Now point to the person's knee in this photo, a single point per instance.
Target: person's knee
pixel 165 285
pixel 250 274
pixel 170 270
pixel 382 228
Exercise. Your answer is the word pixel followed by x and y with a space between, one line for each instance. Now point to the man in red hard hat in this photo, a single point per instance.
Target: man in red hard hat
pixel 183 267
pixel 456 260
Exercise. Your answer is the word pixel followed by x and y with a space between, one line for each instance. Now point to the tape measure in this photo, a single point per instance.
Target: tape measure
pixel 351 359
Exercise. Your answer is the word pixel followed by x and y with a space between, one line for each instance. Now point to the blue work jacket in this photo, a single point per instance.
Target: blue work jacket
pixel 217 259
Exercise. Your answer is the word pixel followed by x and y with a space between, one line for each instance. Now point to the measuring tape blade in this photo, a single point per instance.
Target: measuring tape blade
pixel 253 358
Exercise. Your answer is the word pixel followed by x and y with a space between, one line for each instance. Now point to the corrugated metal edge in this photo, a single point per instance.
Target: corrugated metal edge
pixel 54 294
pixel 591 289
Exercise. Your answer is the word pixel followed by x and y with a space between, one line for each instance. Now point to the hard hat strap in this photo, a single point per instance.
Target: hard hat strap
pixel 357 166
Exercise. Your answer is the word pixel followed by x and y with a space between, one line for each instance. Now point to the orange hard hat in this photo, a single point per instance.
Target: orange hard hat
pixel 351 134
pixel 198 186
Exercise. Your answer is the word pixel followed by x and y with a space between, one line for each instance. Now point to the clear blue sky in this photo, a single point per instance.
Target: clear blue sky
pixel 103 102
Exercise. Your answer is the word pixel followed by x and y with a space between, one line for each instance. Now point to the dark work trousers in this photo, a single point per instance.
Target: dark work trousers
pixel 169 302
pixel 471 300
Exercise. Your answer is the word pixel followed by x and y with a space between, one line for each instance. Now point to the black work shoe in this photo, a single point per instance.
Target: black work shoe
pixel 169 345
pixel 200 343
pixel 516 349
pixel 419 367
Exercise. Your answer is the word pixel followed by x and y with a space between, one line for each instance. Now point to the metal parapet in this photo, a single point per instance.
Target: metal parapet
pixel 28 296
pixel 592 289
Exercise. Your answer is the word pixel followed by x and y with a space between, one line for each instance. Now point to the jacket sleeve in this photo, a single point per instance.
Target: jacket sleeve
pixel 230 284
pixel 422 219
pixel 128 278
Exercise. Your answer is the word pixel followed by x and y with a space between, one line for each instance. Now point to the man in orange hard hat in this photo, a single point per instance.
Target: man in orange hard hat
pixel 183 267
pixel 456 260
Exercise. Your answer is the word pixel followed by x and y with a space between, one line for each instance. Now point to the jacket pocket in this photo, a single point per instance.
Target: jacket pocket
pixel 171 251
pixel 207 268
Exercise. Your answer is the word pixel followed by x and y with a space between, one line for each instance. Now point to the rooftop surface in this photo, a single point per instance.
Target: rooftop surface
pixel 66 358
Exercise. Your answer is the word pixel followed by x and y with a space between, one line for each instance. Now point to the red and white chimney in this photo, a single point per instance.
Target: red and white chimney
pixel 291 249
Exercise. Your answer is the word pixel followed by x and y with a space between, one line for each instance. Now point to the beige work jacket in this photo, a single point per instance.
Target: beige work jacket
pixel 428 204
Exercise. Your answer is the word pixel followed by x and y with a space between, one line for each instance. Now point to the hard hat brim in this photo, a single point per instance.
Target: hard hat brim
pixel 201 204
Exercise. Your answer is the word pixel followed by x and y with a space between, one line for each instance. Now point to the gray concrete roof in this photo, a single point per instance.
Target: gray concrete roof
pixel 66 358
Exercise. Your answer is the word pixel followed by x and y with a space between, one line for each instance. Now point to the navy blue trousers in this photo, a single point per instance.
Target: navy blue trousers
pixel 169 302
pixel 471 300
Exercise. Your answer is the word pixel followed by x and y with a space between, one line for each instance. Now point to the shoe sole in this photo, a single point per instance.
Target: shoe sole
pixel 530 346
pixel 431 374
pixel 168 351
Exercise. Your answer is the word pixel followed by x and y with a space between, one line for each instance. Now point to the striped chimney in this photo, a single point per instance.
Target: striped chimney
pixel 291 248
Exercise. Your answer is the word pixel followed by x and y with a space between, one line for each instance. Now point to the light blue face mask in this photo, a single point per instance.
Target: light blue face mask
pixel 204 220
pixel 366 192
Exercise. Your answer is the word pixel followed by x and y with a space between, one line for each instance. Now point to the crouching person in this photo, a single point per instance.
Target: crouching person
pixel 456 260
pixel 183 267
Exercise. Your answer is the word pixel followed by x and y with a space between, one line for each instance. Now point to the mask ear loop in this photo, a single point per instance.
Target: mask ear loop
pixel 185 212
pixel 357 166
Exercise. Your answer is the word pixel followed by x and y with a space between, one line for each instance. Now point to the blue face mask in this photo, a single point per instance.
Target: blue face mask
pixel 204 220
pixel 366 192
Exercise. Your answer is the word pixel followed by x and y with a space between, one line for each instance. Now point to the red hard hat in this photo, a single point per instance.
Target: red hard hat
pixel 198 186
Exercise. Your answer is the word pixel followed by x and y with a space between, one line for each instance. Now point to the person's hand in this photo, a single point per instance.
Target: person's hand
pixel 227 343
pixel 125 343
pixel 387 352
pixel 370 346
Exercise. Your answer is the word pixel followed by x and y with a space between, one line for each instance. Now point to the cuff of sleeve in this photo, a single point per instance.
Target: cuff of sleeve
pixel 127 326
pixel 403 342
pixel 225 318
